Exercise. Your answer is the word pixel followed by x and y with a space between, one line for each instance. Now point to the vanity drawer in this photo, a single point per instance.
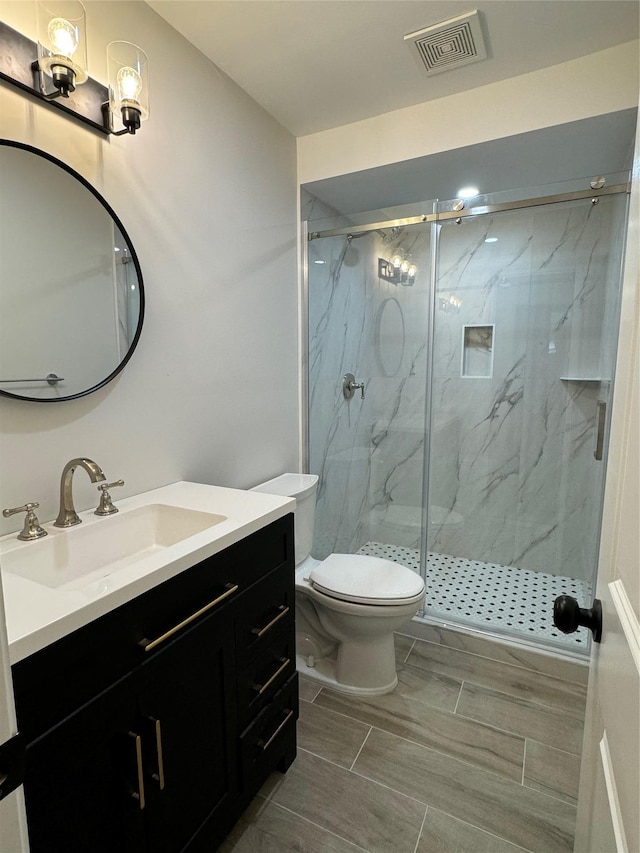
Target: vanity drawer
pixel 271 737
pixel 267 610
pixel 254 557
pixel 260 679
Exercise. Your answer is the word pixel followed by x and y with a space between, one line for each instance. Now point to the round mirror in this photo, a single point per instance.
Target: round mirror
pixel 71 294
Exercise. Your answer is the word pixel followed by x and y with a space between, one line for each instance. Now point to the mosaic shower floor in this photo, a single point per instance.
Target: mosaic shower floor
pixel 488 595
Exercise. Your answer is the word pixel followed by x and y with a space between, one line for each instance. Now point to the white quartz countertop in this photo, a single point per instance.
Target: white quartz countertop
pixel 38 614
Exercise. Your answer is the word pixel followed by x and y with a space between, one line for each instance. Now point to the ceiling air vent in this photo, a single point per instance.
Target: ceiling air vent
pixel 450 44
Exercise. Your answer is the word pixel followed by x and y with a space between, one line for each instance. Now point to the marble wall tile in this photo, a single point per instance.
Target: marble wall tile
pixel 511 454
pixel 521 455
pixel 369 453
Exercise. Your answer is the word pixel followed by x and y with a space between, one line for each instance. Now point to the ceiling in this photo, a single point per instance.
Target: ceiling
pixel 317 64
pixel 548 159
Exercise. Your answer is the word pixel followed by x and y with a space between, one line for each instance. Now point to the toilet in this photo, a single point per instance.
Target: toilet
pixel 347 605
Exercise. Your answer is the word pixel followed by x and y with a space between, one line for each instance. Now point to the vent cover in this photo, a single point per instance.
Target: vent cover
pixel 450 44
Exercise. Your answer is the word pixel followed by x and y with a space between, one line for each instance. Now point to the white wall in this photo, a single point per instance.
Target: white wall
pixel 593 85
pixel 207 193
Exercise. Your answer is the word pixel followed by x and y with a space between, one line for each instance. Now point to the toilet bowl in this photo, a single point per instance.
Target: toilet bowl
pixel 347 605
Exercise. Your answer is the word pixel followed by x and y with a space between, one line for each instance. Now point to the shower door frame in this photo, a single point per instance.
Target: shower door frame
pixel 456 212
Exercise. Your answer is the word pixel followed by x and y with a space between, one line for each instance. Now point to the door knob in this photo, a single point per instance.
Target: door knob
pixel 568 616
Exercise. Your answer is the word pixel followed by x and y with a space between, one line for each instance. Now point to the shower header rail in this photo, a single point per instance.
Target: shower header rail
pixel 480 210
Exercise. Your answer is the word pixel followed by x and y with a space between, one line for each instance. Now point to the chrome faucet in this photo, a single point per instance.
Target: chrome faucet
pixel 67 516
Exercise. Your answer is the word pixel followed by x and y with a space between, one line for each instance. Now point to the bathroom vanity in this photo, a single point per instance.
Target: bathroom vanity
pixel 151 725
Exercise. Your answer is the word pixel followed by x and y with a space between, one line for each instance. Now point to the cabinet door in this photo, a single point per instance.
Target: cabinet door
pixel 187 707
pixel 84 787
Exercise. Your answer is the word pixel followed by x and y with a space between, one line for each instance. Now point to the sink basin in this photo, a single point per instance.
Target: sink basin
pixel 83 555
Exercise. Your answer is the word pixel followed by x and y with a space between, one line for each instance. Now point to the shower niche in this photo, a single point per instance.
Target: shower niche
pixel 477 351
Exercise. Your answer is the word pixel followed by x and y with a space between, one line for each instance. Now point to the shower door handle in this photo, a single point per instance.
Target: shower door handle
pixel 350 386
pixel 601 420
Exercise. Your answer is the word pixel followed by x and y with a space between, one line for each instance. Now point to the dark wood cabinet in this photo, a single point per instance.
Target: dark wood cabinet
pixel 165 756
pixel 81 778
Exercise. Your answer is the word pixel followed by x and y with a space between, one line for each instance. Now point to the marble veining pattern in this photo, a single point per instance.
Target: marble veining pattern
pixel 512 478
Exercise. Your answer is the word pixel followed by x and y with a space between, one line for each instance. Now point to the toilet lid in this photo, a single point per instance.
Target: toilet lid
pixel 366 580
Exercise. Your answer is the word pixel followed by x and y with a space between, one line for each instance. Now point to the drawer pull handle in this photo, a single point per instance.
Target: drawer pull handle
pixel 260 632
pixel 159 776
pixel 266 744
pixel 148 645
pixel 260 688
pixel 139 794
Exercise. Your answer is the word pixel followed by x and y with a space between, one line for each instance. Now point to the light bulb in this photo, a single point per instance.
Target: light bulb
pixel 411 272
pixel 129 84
pixel 396 260
pixel 404 266
pixel 63 37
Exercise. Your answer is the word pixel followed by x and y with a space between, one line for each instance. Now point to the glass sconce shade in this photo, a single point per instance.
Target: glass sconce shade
pixel 62 42
pixel 397 259
pixel 128 73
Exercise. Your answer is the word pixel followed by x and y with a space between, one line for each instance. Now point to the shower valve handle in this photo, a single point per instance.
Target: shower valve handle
pixel 350 386
pixel 568 616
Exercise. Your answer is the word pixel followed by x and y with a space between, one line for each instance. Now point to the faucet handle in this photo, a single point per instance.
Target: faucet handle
pixel 106 507
pixel 31 529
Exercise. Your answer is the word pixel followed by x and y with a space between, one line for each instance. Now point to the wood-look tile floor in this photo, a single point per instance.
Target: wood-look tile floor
pixel 467 755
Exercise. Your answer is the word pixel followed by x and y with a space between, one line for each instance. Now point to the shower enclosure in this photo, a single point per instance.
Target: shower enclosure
pixel 484 338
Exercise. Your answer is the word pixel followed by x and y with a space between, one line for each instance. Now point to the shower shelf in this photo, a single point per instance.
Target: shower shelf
pixel 597 379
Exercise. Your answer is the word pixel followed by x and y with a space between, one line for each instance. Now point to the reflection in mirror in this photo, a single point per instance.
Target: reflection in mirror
pixel 71 294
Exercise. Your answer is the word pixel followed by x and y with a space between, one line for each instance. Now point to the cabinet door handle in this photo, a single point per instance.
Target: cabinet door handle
pixel 260 632
pixel 139 794
pixel 159 776
pixel 260 688
pixel 148 645
pixel 266 744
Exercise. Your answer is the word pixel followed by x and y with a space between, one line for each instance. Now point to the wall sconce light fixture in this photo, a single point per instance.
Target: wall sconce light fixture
pixel 51 69
pixel 62 47
pixel 450 303
pixel 399 269
pixel 128 71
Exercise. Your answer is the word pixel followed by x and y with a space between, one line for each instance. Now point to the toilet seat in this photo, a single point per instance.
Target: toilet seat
pixel 366 580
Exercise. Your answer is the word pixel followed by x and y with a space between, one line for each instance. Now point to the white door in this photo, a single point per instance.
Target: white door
pixel 609 800
pixel 13 832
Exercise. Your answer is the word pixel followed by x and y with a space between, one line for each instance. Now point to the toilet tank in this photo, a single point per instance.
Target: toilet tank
pixel 302 487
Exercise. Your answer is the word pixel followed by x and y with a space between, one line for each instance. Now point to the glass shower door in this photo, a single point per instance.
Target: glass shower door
pixel 525 329
pixel 368 448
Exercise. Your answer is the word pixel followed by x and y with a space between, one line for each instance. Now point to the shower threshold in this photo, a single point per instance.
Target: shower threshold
pixel 489 596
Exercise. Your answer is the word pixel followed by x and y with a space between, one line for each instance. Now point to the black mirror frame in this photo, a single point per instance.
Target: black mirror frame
pixel 21 145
